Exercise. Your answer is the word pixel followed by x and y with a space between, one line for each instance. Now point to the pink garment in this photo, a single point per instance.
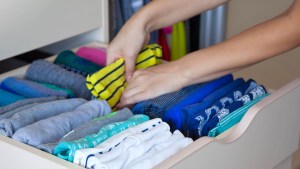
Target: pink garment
pixel 96 55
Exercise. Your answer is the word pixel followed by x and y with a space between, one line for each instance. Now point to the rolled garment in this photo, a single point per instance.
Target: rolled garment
pixel 20 103
pixel 81 156
pixel 54 128
pixel 190 110
pixel 91 127
pixel 160 152
pixel 178 49
pixel 70 61
pixel 257 92
pixel 54 87
pixel 29 88
pixel 130 148
pixel 175 118
pixel 66 150
pixel 233 118
pixel 196 121
pixel 156 107
pixel 96 55
pixel 44 71
pixel 41 111
pixel 7 98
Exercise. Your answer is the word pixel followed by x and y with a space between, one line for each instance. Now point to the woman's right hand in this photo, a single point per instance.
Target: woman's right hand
pixel 127 44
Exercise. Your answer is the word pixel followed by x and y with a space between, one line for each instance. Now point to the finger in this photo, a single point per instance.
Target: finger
pixel 147 39
pixel 130 67
pixel 111 55
pixel 133 99
pixel 130 92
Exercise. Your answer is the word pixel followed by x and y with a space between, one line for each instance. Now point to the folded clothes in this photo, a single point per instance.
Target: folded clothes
pixel 96 55
pixel 7 98
pixel 29 88
pixel 91 127
pixel 160 152
pixel 156 107
pixel 253 94
pixel 54 87
pixel 44 71
pixel 54 128
pixel 132 147
pixel 196 121
pixel 173 115
pixel 20 103
pixel 109 83
pixel 66 150
pixel 70 61
pixel 82 156
pixel 38 112
pixel 233 118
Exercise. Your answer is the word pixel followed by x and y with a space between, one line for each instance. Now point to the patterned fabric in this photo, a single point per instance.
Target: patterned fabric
pixel 196 121
pixel 233 118
pixel 66 150
pixel 70 61
pixel 109 83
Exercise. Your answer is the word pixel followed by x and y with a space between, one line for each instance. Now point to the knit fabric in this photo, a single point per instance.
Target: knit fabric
pixel 41 111
pixel 7 98
pixel 70 61
pixel 54 128
pixel 29 88
pixel 109 83
pixel 44 71
pixel 96 55
pixel 233 118
pixel 54 87
pixel 66 150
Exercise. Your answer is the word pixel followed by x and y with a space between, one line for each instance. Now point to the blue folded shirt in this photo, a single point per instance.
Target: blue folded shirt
pixel 173 115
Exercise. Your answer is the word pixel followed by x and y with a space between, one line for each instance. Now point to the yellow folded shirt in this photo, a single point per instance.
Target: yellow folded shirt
pixel 109 83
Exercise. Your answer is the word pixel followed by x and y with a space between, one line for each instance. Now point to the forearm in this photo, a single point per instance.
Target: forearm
pixel 161 13
pixel 251 46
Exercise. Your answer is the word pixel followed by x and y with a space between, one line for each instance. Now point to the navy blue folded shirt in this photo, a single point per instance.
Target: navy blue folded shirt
pixel 173 115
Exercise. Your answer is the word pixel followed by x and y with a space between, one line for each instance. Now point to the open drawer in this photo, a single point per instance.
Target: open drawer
pixel 265 138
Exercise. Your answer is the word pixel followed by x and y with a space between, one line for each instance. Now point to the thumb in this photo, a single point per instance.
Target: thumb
pixel 130 68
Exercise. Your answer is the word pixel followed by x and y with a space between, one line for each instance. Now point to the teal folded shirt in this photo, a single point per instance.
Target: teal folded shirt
pixel 66 150
pixel 233 118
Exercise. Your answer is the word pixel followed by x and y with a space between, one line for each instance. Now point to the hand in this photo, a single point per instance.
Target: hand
pixel 152 82
pixel 127 44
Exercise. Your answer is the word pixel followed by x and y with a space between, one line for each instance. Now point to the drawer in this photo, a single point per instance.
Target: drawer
pixel 267 135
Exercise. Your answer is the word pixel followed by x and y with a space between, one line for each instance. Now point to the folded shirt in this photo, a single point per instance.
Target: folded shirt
pixel 70 61
pixel 46 72
pixel 38 112
pixel 52 129
pixel 233 118
pixel 96 55
pixel 91 127
pixel 29 88
pixel 82 156
pixel 195 122
pixel 20 103
pixel 66 150
pixel 173 115
pixel 109 83
pixel 54 87
pixel 237 103
pixel 131 148
pixel 7 98
pixel 161 152
pixel 191 110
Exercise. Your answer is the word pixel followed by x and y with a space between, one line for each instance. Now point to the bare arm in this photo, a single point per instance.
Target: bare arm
pixel 258 43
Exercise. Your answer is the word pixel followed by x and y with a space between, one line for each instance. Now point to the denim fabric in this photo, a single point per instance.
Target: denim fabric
pixel 257 92
pixel 173 115
pixel 191 110
pixel 233 118
pixel 29 88
pixel 52 129
pixel 196 121
pixel 155 108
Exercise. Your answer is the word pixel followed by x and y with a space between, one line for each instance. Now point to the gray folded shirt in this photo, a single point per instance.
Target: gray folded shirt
pixel 36 113
pixel 54 128
pixel 91 127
